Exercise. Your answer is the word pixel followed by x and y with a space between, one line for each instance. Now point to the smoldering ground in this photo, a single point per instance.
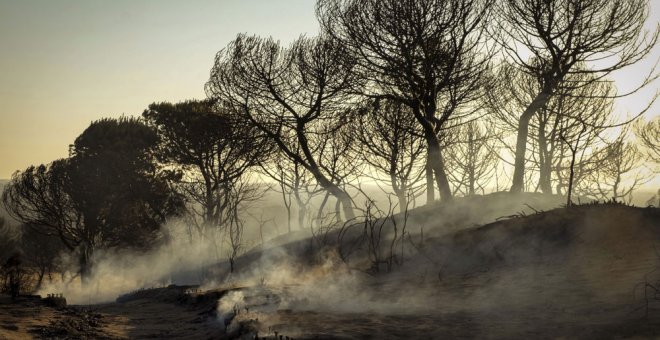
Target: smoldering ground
pixel 581 266
pixel 565 272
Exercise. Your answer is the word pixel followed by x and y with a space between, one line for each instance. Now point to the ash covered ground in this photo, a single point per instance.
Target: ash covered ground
pixel 589 271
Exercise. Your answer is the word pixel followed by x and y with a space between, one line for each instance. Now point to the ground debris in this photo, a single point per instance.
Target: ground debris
pixel 76 324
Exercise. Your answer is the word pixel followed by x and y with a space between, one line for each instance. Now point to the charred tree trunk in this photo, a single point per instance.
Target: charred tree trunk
pixel 85 262
pixel 346 204
pixel 430 189
pixel 302 208
pixel 438 165
pixel 545 161
pixel 315 169
pixel 434 159
pixel 569 201
pixel 472 154
pixel 521 140
pixel 399 190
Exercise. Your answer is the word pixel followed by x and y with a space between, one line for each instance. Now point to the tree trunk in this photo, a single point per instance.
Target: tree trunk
pixel 403 202
pixel 545 162
pixel 324 182
pixel 521 140
pixel 569 201
pixel 430 189
pixel 399 190
pixel 346 204
pixel 302 209
pixel 40 278
pixel 85 262
pixel 438 166
pixel 435 165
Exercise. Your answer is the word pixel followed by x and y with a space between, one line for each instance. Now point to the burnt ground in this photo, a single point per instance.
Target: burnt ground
pixel 148 316
pixel 581 273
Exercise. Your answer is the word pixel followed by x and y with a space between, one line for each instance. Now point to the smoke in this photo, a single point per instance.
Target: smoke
pixel 577 265
pixel 119 272
pixel 321 277
pixel 228 306
pixel 558 265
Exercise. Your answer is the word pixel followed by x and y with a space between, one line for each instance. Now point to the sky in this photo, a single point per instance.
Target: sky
pixel 66 63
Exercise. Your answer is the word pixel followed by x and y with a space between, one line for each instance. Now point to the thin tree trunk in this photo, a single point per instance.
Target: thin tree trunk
pixel 319 215
pixel 569 202
pixel 302 209
pixel 399 191
pixel 40 278
pixel 521 140
pixel 324 182
pixel 472 154
pixel 430 189
pixel 545 161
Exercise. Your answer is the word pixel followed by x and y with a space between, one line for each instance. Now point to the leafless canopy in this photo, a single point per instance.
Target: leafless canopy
pixel 551 39
pixel 606 35
pixel 390 143
pixel 429 55
pixel 296 96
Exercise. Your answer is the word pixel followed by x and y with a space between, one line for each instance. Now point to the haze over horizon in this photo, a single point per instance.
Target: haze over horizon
pixel 68 63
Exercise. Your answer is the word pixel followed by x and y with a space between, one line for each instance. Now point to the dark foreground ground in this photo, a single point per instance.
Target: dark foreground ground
pixel 151 318
pixel 589 272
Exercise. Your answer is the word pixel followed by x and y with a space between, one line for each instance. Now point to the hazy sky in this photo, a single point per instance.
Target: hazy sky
pixel 65 63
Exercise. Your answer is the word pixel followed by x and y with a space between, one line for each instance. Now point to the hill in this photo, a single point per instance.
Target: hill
pixel 588 271
pixel 498 266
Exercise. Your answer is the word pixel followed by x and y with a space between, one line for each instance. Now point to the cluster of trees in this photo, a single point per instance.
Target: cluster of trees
pixel 27 256
pixel 403 90
pixel 107 194
pixel 415 96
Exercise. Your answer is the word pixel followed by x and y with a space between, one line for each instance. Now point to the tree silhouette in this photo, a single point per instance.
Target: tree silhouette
pixel 563 114
pixel 41 252
pixel 566 38
pixel 107 194
pixel 295 185
pixel 295 96
pixel 390 143
pixel 648 135
pixel 9 240
pixel 210 151
pixel 429 55
pixel 618 173
pixel 471 158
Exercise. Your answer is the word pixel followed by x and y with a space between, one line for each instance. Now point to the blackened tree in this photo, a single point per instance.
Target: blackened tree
pixel 391 143
pixel 210 151
pixel 472 158
pixel 553 39
pixel 431 56
pixel 108 194
pixel 296 97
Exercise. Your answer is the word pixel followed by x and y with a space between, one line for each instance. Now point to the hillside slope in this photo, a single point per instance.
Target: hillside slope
pixel 589 271
pixel 578 272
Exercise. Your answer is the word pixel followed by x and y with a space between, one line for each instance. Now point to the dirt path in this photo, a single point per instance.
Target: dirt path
pixel 139 319
pixel 17 319
pixel 142 319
